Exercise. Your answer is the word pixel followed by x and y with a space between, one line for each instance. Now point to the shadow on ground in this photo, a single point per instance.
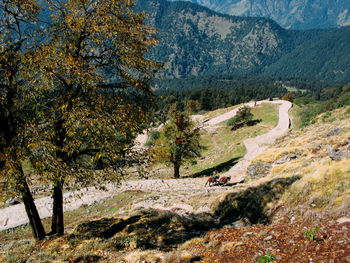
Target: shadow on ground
pixel 251 202
pixel 147 229
pixel 236 126
pixel 223 167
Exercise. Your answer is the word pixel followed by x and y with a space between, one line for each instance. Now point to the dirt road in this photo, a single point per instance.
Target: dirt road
pixel 15 215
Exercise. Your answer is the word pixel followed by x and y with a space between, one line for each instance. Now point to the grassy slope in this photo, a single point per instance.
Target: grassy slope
pixel 325 183
pixel 318 199
pixel 321 198
pixel 221 144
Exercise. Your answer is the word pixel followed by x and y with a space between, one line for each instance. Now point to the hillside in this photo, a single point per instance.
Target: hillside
pixel 289 14
pixel 322 59
pixel 295 209
pixel 196 41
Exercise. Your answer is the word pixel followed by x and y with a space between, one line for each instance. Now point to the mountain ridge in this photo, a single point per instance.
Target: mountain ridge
pixel 196 41
pixel 296 14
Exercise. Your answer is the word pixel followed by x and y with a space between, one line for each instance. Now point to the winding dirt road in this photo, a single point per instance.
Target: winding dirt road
pixel 15 215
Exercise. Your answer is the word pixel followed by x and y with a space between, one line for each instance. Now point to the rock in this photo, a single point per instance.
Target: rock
pixel 247 234
pixel 259 168
pixel 268 238
pixel 240 223
pixel 332 132
pixel 286 158
pixel 262 233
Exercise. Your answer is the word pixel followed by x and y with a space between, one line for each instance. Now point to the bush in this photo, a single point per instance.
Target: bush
pixel 244 114
pixel 232 121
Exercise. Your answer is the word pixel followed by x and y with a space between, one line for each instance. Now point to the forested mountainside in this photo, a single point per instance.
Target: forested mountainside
pixel 196 41
pixel 326 58
pixel 296 14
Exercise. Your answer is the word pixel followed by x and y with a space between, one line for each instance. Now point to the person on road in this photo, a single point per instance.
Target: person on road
pixel 215 177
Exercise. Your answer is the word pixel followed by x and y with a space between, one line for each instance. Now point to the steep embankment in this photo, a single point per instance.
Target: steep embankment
pixel 311 220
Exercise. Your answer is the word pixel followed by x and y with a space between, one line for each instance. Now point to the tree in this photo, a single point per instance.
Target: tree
pixel 98 94
pixel 244 114
pixel 289 97
pixel 179 141
pixel 16 100
pixel 192 105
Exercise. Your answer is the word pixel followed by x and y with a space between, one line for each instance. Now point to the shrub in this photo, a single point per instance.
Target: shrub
pixel 232 121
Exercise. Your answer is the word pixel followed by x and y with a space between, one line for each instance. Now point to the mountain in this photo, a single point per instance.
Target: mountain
pixel 296 14
pixel 327 57
pixel 196 41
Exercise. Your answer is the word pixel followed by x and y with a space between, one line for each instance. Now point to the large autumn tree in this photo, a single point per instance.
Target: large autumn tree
pixel 17 100
pixel 92 65
pixel 179 140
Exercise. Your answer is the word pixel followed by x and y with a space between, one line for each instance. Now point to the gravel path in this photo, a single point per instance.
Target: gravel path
pixel 15 215
pixel 259 144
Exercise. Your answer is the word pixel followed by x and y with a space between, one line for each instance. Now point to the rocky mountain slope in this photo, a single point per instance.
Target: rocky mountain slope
pixel 195 41
pixel 296 14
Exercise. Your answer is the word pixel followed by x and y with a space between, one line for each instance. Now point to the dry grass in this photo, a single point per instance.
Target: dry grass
pixel 325 182
pixel 218 112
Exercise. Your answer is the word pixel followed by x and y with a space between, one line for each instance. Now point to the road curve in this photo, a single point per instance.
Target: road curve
pixel 15 215
pixel 257 145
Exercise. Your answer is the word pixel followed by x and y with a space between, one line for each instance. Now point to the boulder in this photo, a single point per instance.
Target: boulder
pixel 286 158
pixel 259 169
pixel 332 132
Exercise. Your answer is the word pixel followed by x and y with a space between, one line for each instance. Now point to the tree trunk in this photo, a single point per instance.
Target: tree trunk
pixel 176 170
pixel 57 224
pixel 32 213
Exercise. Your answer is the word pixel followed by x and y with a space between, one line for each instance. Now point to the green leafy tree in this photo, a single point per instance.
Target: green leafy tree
pixel 17 100
pixel 96 78
pixel 179 141
pixel 244 114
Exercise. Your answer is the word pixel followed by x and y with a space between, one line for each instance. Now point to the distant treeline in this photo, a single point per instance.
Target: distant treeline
pixel 224 91
pixel 330 99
